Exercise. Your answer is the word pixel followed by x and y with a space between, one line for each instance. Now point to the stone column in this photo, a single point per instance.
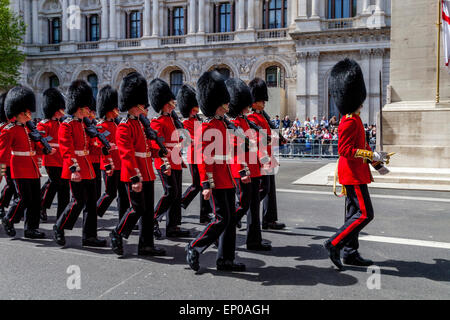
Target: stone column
pixel 241 14
pixel 302 9
pixel 112 20
pixel 146 18
pixel 376 66
pixel 28 22
pixel 155 8
pixel 191 16
pixel 251 15
pixel 294 13
pixel 201 16
pixel 301 85
pixel 65 30
pixel 365 67
pixel 35 23
pixel 365 4
pixel 380 5
pixel 104 20
pixel 313 83
pixel 315 10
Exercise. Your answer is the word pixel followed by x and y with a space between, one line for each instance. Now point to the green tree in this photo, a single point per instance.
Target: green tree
pixel 12 31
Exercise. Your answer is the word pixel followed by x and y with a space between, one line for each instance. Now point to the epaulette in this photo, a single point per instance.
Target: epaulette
pixel 124 120
pixel 9 126
pixel 100 121
pixel 44 121
pixel 68 120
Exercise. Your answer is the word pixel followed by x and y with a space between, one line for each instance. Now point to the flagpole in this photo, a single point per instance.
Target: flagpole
pixel 438 64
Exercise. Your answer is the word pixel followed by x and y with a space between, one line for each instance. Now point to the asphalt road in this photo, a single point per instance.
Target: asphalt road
pixel 408 240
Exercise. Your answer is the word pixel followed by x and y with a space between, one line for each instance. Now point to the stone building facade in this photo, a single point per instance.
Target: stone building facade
pixel 292 44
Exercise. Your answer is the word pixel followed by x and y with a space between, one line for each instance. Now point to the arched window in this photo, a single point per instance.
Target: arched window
pixel 339 9
pixel 176 81
pixel 93 28
pixel 273 76
pixel 53 82
pixel 274 14
pixel 93 82
pixel 225 72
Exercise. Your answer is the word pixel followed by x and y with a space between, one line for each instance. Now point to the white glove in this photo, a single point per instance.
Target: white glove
pixel 380 156
pixel 383 170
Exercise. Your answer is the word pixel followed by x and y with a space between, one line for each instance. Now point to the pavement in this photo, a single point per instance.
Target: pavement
pixel 408 240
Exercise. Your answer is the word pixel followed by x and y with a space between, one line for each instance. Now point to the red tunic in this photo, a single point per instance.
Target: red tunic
pixel 17 148
pixel 191 125
pixel 166 129
pixel 7 152
pixel 49 130
pixel 215 160
pixel 135 150
pixel 351 170
pixel 241 159
pixel 258 118
pixel 74 144
pixel 109 129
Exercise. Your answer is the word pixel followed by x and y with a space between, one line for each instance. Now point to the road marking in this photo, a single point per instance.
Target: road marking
pixel 119 284
pixel 371 238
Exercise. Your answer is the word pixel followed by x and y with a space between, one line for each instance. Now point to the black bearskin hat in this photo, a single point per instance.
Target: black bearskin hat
pixel 52 101
pixel 133 92
pixel 160 94
pixel 211 92
pixel 3 117
pixel 240 96
pixel 19 99
pixel 258 88
pixel 79 95
pixel 186 100
pixel 347 86
pixel 107 100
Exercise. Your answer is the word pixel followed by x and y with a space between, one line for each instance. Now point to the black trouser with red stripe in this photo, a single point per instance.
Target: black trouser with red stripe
pixel 223 227
pixel 98 180
pixel 83 196
pixel 113 185
pixel 268 196
pixel 170 201
pixel 28 199
pixel 9 190
pixel 249 203
pixel 55 184
pixel 141 208
pixel 358 213
pixel 192 191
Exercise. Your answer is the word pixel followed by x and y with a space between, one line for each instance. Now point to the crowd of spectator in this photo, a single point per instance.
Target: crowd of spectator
pixel 314 138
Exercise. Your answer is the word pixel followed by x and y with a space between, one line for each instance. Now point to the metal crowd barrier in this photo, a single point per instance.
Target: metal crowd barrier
pixel 313 149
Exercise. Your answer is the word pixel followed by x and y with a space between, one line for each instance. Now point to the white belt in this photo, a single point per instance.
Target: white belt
pixel 82 153
pixel 54 145
pixel 143 154
pixel 24 153
pixel 222 157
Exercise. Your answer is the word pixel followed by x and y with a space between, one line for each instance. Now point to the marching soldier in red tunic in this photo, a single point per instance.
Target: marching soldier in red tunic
pixel 215 175
pixel 75 144
pixel 188 106
pixel 136 154
pixel 246 166
pixel 15 141
pixel 349 92
pixel 9 190
pixel 163 102
pixel 53 107
pixel 107 106
pixel 258 88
